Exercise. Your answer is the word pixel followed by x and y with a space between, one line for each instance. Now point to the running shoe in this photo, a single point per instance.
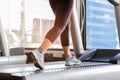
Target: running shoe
pixel 38 59
pixel 72 61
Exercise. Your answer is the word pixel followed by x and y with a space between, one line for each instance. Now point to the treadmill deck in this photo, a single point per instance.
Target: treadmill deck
pixel 58 71
pixel 49 67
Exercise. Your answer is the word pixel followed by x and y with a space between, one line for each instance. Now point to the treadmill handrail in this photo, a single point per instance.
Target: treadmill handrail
pixel 115 2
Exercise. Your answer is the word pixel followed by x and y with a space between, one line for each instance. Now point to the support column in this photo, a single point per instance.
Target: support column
pixel 117 13
pixel 75 32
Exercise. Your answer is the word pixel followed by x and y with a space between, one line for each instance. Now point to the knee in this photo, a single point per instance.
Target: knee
pixel 59 30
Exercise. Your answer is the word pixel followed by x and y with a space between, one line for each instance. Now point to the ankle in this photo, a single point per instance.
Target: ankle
pixel 42 51
pixel 68 56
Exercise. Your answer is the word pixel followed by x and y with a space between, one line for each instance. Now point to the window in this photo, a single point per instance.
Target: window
pixel 100 25
pixel 26 22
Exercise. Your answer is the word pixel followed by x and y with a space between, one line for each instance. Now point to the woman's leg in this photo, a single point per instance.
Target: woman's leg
pixel 70 58
pixel 65 40
pixel 62 12
pixel 65 33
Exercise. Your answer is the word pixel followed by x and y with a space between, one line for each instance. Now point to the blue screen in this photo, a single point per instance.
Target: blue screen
pixel 101 29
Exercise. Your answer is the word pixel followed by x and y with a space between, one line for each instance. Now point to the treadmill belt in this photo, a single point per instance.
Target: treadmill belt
pixel 59 67
pixel 49 67
pixel 55 71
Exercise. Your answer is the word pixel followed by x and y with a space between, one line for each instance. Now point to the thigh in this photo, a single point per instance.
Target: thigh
pixel 62 12
pixel 53 4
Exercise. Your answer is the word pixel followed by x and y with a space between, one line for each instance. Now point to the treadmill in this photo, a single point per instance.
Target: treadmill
pixel 97 64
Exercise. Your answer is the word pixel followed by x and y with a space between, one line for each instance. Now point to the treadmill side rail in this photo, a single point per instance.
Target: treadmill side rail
pixel 87 55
